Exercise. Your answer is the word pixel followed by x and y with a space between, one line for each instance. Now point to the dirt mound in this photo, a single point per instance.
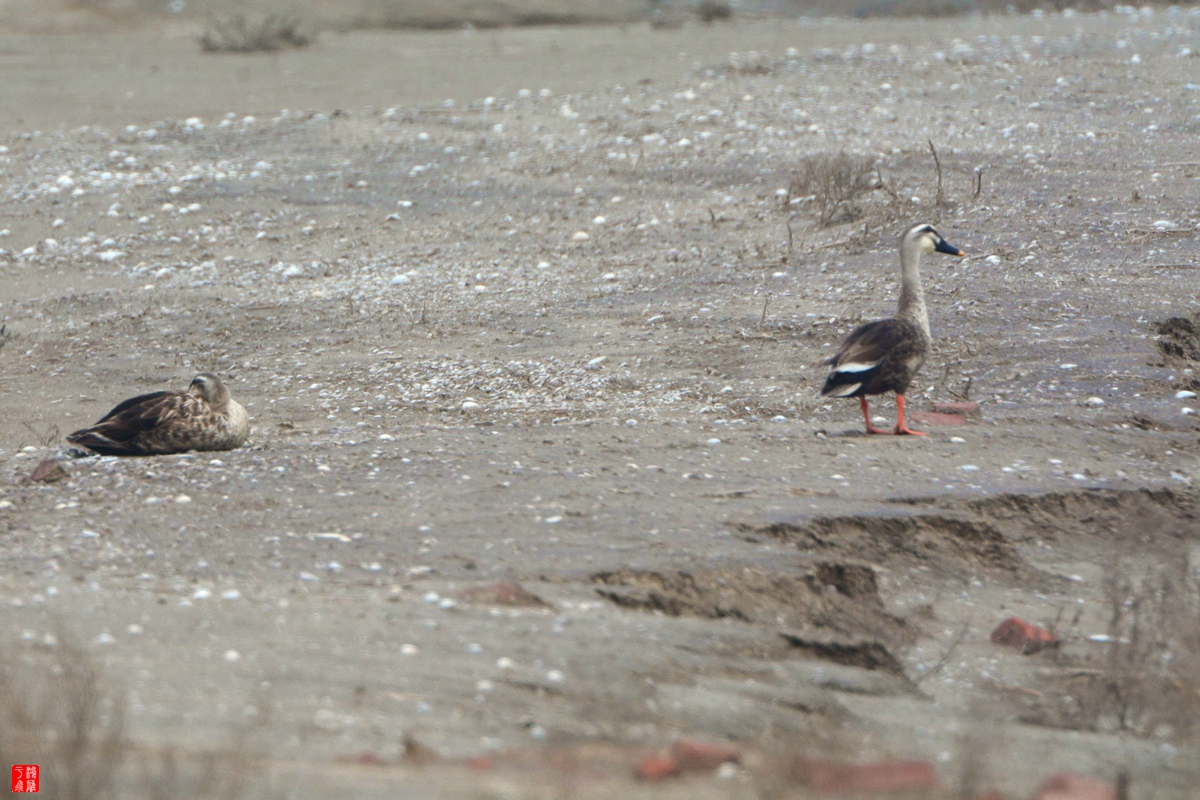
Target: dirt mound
pixel 948 544
pixel 1099 513
pixel 961 538
pixel 837 596
pixel 1179 337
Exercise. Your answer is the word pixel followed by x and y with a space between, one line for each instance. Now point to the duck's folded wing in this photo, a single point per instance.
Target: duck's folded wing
pixel 861 355
pixel 127 420
pixel 142 402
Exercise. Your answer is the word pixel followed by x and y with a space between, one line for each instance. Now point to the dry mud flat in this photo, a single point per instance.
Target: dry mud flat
pixel 570 341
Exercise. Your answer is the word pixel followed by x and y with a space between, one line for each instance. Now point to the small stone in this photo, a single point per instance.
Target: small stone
pixel 580 236
pixel 966 408
pixel 1184 394
pixel 469 405
pixel 182 499
pixel 1094 402
pixel 503 593
pixel 106 638
pixel 1070 786
pixel 1018 633
pixel 872 779
pixel 47 471
pixel 656 767
pixel 202 594
pixel 232 655
pixel 691 755
pixel 409 649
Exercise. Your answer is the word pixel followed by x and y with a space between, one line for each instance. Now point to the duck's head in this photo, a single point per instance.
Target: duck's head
pixel 209 387
pixel 927 240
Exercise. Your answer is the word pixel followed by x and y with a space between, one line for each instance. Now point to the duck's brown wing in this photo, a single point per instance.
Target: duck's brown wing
pixel 129 428
pixel 870 357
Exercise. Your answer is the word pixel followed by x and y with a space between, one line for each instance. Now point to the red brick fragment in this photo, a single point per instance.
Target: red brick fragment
pixel 831 777
pixel 934 418
pixel 1070 786
pixel 656 767
pixel 1018 633
pixel 691 755
pixel 48 471
pixel 502 593
pixel 481 763
pixel 966 408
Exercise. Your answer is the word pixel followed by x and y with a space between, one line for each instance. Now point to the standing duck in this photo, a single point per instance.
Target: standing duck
pixel 885 355
pixel 204 417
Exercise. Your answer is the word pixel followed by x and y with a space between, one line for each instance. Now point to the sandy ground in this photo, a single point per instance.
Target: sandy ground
pixel 560 337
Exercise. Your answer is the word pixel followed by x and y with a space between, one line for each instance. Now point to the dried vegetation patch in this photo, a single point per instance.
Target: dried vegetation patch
pixel 1142 675
pixel 60 709
pixel 242 34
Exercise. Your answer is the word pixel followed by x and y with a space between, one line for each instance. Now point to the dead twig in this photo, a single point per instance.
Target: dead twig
pixel 940 197
pixel 955 642
pixel 46 439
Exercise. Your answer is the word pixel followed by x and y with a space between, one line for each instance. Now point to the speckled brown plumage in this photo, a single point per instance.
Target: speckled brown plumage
pixel 204 417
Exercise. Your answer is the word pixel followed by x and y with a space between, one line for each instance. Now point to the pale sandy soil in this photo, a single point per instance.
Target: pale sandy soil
pixel 452 387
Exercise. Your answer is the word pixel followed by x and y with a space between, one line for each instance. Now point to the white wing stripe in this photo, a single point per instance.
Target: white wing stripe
pixel 853 367
pixel 844 391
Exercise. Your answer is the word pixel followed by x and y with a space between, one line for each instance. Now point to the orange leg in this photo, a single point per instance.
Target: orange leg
pixel 862 401
pixel 901 427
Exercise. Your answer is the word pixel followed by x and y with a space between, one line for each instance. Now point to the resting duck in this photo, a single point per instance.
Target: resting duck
pixel 885 355
pixel 204 417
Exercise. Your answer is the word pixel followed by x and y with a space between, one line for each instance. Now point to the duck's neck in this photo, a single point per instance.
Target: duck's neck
pixel 912 297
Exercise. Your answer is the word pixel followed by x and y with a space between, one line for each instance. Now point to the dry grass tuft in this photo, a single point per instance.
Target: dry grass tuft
pixel 1144 678
pixel 833 185
pixel 714 11
pixel 240 34
pixel 60 711
pixel 64 716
